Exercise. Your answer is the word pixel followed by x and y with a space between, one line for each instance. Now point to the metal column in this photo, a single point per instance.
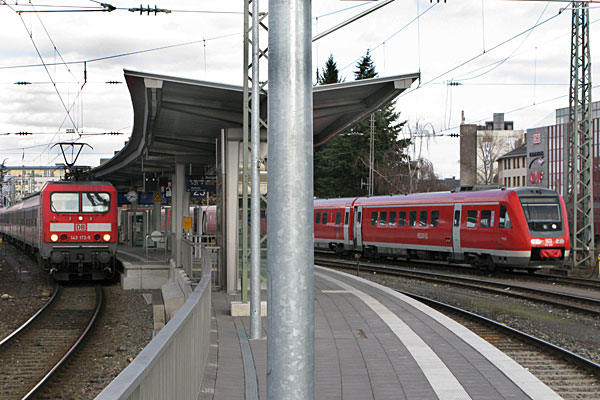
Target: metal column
pixel 255 252
pixel 579 182
pixel 290 269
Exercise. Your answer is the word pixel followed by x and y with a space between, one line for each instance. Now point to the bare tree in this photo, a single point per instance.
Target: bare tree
pixel 489 148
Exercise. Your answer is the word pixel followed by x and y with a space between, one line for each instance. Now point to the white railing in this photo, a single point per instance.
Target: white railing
pixel 198 252
pixel 172 365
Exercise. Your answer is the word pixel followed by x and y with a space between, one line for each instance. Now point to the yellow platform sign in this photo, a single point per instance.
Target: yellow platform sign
pixel 187 222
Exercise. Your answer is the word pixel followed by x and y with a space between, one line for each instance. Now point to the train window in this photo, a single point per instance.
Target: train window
pixel 374 218
pixel 471 218
pixel 423 218
pixel 318 218
pixel 435 218
pixel 401 218
pixel 383 218
pixel 486 217
pixel 457 218
pixel 324 221
pixel 359 218
pixel 95 202
pixel 347 219
pixel 64 202
pixel 338 218
pixel 412 218
pixel 392 218
pixel 503 218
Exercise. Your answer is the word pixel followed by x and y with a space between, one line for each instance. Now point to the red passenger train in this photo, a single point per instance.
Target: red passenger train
pixel 71 226
pixel 523 228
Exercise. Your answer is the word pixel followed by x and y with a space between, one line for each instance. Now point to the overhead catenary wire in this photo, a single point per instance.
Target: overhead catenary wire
pixel 30 34
pixel 131 53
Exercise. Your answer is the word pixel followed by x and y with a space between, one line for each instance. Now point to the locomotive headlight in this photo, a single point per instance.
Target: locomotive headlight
pixel 80 218
pixel 560 241
pixel 536 241
pixel 106 237
pixel 54 237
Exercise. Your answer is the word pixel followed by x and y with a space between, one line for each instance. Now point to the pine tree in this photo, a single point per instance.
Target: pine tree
pixel 366 68
pixel 341 165
pixel 330 73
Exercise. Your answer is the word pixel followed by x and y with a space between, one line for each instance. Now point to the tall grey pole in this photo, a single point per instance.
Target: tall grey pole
pixel 290 269
pixel 255 316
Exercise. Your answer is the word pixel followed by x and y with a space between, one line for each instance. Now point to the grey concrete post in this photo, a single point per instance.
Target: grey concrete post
pixel 290 268
pixel 173 207
pixel 255 316
pixel 178 209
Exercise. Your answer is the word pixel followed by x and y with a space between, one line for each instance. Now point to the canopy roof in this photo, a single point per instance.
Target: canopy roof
pixel 178 120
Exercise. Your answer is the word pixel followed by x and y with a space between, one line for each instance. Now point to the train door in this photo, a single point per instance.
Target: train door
pixel 346 226
pixel 458 253
pixel 358 228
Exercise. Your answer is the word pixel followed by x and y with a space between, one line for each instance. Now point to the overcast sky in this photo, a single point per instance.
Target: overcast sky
pixel 526 76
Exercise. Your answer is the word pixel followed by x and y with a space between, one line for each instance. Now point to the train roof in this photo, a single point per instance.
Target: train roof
pixel 341 202
pixel 78 183
pixel 502 194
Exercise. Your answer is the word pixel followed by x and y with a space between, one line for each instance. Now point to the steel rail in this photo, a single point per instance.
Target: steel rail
pixel 576 359
pixel 496 287
pixel 99 303
pixel 30 320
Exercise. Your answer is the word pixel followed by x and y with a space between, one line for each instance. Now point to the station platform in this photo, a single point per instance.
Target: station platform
pixel 370 343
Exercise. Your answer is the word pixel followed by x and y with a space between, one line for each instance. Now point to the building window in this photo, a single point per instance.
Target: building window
pixel 504 181
pixel 524 181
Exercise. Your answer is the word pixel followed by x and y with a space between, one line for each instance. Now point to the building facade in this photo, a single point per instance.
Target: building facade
pixel 512 168
pixel 494 139
pixel 546 153
pixel 19 182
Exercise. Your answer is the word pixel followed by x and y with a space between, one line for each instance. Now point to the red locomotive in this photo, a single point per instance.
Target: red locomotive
pixel 523 228
pixel 72 226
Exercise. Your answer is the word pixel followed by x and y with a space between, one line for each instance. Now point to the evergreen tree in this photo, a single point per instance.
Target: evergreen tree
pixel 341 166
pixel 330 73
pixel 366 68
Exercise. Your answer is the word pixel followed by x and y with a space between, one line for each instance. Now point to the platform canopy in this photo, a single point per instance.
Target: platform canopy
pixel 178 120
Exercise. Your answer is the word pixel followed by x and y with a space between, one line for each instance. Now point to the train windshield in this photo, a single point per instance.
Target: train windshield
pixel 95 202
pixel 64 202
pixel 542 213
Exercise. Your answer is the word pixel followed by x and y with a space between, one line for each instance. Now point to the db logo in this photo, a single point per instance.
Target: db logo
pixel 80 227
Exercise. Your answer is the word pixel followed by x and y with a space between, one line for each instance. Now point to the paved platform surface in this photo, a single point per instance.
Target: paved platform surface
pixel 370 343
pixel 140 255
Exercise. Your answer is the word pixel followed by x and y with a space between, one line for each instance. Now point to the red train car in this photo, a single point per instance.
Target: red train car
pixel 521 228
pixel 72 226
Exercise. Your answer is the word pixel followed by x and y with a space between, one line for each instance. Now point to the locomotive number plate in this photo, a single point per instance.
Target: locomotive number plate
pixel 79 238
pixel 80 227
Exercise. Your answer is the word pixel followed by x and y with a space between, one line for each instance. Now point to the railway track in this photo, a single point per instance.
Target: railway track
pixel 569 375
pixel 587 305
pixel 35 351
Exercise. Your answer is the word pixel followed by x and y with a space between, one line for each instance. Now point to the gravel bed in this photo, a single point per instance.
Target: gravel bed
pixel 22 293
pixel 124 328
pixel 573 331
